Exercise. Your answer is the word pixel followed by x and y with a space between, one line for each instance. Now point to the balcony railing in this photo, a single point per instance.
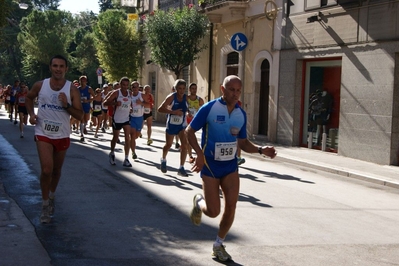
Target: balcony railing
pixel 207 3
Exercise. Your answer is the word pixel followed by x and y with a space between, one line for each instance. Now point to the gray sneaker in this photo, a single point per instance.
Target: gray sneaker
pixel 52 205
pixel 163 166
pixel 220 253
pixel 196 212
pixel 112 159
pixel 45 217
pixel 182 172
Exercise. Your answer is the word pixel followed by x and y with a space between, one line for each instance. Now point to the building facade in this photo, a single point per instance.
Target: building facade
pixel 321 74
pixel 349 51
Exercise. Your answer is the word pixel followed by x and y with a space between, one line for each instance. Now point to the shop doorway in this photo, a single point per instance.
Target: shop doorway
pixel 263 121
pixel 321 104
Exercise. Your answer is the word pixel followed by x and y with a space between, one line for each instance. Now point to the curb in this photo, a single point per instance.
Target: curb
pixel 345 172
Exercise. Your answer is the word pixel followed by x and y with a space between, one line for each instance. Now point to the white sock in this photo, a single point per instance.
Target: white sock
pixel 199 202
pixel 52 194
pixel 218 241
pixel 126 157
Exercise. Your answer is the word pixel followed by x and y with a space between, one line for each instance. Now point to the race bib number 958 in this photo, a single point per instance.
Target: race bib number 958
pixel 225 151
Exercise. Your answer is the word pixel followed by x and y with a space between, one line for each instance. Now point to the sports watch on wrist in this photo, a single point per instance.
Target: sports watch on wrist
pixel 67 107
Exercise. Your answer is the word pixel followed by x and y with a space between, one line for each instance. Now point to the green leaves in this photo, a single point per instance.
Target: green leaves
pixel 44 34
pixel 175 37
pixel 118 45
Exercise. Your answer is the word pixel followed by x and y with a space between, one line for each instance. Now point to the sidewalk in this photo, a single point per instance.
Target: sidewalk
pixel 329 162
pixel 19 244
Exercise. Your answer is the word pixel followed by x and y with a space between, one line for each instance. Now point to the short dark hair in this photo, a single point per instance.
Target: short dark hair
pixel 59 57
pixel 192 84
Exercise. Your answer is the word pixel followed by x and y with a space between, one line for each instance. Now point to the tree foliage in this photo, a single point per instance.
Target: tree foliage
pixel 45 4
pixel 105 5
pixel 40 40
pixel 43 34
pixel 5 10
pixel 118 45
pixel 10 54
pixel 82 49
pixel 175 37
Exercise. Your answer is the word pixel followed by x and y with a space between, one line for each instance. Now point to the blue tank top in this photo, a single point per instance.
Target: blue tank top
pixel 175 120
pixel 85 95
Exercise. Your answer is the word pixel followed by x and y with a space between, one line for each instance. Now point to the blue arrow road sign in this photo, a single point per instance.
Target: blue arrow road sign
pixel 239 41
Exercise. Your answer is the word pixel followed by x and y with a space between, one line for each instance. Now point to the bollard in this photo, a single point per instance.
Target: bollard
pixel 324 142
pixel 310 140
pixel 333 137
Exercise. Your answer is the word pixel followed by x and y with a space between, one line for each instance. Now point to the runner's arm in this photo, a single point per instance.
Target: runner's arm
pixel 110 99
pixel 75 110
pixel 163 108
pixel 192 140
pixel 249 147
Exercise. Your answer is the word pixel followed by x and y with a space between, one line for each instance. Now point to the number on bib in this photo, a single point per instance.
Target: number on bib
pixel 51 128
pixel 176 120
pixel 225 151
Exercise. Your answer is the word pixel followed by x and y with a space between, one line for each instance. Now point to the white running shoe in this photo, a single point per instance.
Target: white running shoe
pixel 126 163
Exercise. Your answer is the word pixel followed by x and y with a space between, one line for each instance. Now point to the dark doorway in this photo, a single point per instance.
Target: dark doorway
pixel 232 63
pixel 264 98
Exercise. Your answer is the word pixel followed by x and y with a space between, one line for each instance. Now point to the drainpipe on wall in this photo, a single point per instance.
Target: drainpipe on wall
pixel 210 62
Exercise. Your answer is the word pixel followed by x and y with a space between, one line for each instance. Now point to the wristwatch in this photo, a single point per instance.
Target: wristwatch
pixel 260 150
pixel 67 107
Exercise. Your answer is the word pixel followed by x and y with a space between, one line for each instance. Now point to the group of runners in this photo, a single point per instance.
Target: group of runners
pixel 222 120
pixel 13 97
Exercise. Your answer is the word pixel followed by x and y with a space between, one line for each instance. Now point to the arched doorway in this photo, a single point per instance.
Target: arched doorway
pixel 263 121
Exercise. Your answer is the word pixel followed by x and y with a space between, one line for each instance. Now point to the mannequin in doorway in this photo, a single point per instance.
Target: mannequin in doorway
pixel 320 108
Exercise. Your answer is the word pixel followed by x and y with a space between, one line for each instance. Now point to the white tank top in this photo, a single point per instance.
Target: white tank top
pixel 52 118
pixel 138 109
pixel 121 114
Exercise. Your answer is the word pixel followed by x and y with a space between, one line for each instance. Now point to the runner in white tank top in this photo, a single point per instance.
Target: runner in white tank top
pixel 52 119
pixel 121 101
pixel 121 113
pixel 58 101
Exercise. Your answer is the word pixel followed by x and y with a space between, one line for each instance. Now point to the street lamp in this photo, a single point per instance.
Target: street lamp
pixel 23 6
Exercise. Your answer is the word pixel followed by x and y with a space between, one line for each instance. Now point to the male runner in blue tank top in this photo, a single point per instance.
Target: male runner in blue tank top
pixel 175 106
pixel 86 96
pixel 224 125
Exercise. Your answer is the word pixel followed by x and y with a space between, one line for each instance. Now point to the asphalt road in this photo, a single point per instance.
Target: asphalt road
pixel 111 215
